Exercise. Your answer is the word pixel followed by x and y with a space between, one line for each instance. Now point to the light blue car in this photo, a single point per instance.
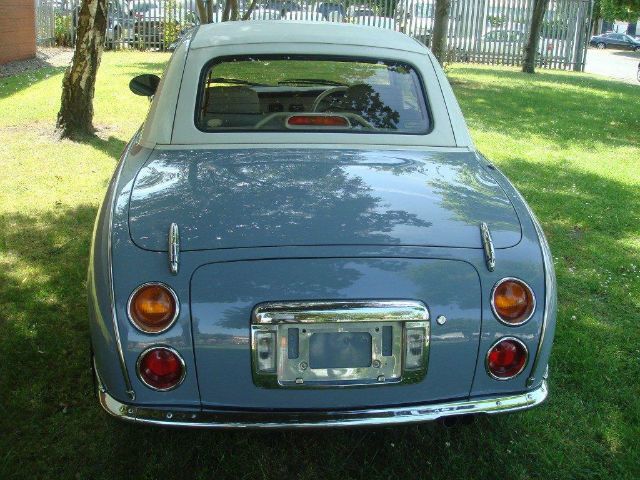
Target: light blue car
pixel 302 234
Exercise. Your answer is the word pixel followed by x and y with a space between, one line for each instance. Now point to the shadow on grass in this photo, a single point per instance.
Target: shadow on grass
pixel 44 339
pixel 111 145
pixel 564 109
pixel 11 85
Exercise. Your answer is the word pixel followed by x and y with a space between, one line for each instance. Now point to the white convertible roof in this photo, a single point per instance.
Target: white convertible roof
pixel 293 32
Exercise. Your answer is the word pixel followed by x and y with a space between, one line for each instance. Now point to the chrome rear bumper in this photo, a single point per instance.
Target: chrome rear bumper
pixel 320 419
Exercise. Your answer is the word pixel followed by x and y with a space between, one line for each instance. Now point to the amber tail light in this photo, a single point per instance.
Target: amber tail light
pixel 161 368
pixel 512 301
pixel 153 307
pixel 507 358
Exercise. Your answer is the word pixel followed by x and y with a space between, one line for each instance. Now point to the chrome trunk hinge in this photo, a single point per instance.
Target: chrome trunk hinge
pixel 487 245
pixel 174 248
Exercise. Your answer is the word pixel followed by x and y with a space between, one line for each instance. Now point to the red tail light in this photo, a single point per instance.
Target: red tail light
pixel 161 368
pixel 507 358
pixel 318 121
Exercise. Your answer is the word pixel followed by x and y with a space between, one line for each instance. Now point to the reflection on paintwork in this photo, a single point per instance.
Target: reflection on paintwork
pixel 248 198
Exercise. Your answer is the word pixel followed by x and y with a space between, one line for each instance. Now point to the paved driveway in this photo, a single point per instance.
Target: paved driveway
pixel 617 64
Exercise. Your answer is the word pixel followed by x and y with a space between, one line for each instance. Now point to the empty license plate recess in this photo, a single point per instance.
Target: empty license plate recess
pixel 324 344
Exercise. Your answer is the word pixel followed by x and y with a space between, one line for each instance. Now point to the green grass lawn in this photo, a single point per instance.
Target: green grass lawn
pixel 569 142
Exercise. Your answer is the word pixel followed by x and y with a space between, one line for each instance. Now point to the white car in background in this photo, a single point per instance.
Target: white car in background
pixel 416 19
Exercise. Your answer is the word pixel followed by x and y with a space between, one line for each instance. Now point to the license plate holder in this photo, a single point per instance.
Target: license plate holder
pixel 325 347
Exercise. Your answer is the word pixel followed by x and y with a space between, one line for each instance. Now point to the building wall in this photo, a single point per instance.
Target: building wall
pixel 17 30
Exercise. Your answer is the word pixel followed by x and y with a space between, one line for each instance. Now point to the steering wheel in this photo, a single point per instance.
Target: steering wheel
pixel 325 94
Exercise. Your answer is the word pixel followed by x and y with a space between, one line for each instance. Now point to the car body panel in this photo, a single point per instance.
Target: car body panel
pixel 223 295
pixel 317 197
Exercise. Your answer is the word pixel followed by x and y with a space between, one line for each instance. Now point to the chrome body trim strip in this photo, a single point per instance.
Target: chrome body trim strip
pixel 169 349
pixel 174 248
pixel 487 246
pixel 116 331
pixel 549 292
pixel 175 315
pixel 199 418
pixel 524 365
pixel 340 311
pixel 493 304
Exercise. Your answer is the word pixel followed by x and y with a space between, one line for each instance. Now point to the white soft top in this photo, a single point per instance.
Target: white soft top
pixel 170 122
pixel 296 32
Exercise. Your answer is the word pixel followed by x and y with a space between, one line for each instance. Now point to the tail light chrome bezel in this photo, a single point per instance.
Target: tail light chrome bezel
pixel 166 348
pixel 169 324
pixel 493 303
pixel 524 365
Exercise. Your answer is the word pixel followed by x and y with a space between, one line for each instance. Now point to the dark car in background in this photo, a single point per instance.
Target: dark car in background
pixel 283 6
pixel 331 11
pixel 615 40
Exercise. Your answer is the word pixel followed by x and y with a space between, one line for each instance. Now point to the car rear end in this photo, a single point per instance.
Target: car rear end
pixel 277 280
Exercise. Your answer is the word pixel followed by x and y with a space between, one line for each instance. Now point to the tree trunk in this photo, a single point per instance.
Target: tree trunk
pixel 247 14
pixel 78 85
pixel 440 25
pixel 205 10
pixel 227 11
pixel 531 48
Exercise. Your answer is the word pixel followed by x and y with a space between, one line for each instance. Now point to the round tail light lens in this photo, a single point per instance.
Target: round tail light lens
pixel 513 301
pixel 153 307
pixel 507 358
pixel 161 368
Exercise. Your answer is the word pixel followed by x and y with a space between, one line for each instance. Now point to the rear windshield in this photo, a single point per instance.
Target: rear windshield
pixel 312 94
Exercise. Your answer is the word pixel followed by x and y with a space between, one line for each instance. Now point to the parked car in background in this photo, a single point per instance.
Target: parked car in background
pixel 620 41
pixel 501 40
pixel 416 19
pixel 262 13
pixel 120 24
pixel 334 12
pixel 154 20
pixel 357 13
pixel 283 6
pixel 305 236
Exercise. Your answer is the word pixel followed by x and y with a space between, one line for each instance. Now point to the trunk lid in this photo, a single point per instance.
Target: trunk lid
pixel 223 296
pixel 286 197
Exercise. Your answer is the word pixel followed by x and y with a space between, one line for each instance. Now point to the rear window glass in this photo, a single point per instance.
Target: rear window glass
pixel 312 94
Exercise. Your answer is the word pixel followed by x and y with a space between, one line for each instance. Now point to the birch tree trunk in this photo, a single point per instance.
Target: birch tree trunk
pixel 78 85
pixel 531 48
pixel 440 26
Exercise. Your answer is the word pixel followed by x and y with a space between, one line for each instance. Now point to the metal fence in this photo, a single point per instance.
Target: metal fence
pixel 45 23
pixel 480 31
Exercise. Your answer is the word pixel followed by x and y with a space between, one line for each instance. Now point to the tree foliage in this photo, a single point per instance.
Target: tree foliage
pixel 625 10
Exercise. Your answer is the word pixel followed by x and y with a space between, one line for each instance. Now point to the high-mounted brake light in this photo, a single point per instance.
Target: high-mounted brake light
pixel 318 121
pixel 506 358
pixel 153 307
pixel 512 301
pixel 161 368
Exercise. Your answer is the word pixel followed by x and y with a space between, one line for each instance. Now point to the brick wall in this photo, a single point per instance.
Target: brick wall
pixel 17 30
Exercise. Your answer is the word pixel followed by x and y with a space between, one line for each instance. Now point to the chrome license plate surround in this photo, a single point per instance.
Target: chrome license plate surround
pixel 339 317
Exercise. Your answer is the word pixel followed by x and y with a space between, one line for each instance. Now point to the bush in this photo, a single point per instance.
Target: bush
pixel 63 30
